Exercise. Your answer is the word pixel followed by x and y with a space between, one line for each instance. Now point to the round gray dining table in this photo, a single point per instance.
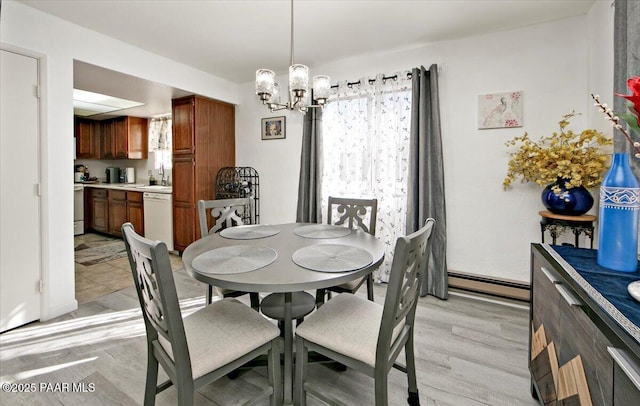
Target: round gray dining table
pixel 282 274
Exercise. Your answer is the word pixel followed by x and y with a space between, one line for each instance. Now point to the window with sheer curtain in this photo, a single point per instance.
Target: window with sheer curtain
pixel 160 141
pixel 365 146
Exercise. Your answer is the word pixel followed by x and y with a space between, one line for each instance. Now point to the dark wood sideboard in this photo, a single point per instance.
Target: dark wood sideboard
pixel 583 349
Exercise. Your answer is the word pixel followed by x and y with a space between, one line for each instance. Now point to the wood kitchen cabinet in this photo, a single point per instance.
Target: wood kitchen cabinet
pixel 583 350
pixel 203 142
pixel 183 132
pixel 125 138
pixel 107 145
pixel 117 211
pixel 135 211
pixel 118 138
pixel 129 137
pixel 108 210
pixel 98 206
pixel 184 228
pixel 87 134
pixel 125 207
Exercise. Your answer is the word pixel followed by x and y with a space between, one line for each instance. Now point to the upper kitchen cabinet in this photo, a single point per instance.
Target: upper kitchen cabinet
pixel 125 138
pixel 87 133
pixel 203 142
pixel 107 144
pixel 118 138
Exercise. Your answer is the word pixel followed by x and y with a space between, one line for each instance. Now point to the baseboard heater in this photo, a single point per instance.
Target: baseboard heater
pixel 491 286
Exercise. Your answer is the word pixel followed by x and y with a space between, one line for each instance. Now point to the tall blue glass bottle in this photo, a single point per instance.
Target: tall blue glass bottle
pixel 618 222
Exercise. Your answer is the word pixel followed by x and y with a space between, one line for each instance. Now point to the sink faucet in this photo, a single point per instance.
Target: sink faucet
pixel 163 180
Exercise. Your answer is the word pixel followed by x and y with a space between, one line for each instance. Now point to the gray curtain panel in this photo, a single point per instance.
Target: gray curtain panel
pixel 426 177
pixel 626 39
pixel 310 168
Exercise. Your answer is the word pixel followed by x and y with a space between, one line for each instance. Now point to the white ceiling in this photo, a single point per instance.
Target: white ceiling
pixel 232 38
pixel 155 96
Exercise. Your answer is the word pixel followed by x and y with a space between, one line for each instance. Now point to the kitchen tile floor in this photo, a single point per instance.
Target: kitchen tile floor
pixel 94 281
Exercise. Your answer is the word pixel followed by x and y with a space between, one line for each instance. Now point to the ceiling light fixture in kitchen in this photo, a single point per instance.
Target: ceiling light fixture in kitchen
pixel 87 104
pixel 269 91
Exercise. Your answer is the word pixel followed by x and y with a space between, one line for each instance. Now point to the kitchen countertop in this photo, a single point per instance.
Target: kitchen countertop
pixel 131 187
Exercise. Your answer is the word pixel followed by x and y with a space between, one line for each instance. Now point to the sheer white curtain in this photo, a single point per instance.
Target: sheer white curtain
pixel 160 141
pixel 365 147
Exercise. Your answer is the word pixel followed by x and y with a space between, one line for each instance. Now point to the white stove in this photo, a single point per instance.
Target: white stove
pixel 78 209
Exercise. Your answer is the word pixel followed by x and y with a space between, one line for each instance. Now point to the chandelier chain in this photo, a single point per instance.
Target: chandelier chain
pixel 269 91
pixel 291 50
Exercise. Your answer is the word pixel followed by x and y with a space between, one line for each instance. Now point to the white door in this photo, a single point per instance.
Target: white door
pixel 20 248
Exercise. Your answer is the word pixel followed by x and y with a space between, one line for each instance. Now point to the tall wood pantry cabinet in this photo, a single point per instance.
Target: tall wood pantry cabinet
pixel 203 142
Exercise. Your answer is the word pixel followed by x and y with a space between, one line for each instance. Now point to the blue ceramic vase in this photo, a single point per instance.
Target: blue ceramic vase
pixel 569 202
pixel 618 222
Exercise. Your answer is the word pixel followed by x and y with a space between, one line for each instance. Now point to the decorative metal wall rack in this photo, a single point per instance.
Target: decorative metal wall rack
pixel 240 181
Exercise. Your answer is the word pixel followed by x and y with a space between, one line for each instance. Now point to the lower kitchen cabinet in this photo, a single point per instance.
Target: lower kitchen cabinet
pixel 98 206
pixel 583 349
pixel 110 209
pixel 135 211
pixel 117 211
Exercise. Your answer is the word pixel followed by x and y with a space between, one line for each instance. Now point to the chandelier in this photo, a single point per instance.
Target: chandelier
pixel 269 91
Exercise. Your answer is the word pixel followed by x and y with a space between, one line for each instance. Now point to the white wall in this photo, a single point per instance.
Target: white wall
pixel 600 64
pixel 97 167
pixel 489 230
pixel 61 43
pixel 277 161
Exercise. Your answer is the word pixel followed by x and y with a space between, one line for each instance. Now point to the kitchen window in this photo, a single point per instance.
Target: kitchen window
pixel 160 141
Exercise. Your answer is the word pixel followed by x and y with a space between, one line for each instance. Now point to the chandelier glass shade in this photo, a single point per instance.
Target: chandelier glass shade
pixel 269 91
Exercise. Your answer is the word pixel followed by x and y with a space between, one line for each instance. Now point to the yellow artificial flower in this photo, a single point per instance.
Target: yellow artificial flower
pixel 576 157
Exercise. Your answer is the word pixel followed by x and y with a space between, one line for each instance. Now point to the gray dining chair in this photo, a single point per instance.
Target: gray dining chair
pixel 367 336
pixel 225 213
pixel 351 213
pixel 206 345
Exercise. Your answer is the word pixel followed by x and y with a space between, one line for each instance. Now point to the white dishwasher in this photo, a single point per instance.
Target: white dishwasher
pixel 158 217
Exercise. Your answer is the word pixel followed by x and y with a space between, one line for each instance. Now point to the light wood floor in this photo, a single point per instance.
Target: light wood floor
pixel 469 352
pixel 94 281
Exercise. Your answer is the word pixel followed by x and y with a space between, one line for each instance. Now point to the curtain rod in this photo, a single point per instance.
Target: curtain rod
pixel 384 78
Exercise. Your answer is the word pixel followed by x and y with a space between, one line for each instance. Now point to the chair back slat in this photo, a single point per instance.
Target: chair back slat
pixel 410 259
pixel 353 213
pixel 149 290
pixel 225 212
pixel 153 278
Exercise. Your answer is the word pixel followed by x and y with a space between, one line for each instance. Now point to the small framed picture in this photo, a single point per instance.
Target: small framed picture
pixel 273 128
pixel 500 110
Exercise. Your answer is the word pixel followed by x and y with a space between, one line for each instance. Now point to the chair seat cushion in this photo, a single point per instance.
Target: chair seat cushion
pixel 223 332
pixel 350 286
pixel 345 324
pixel 224 292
